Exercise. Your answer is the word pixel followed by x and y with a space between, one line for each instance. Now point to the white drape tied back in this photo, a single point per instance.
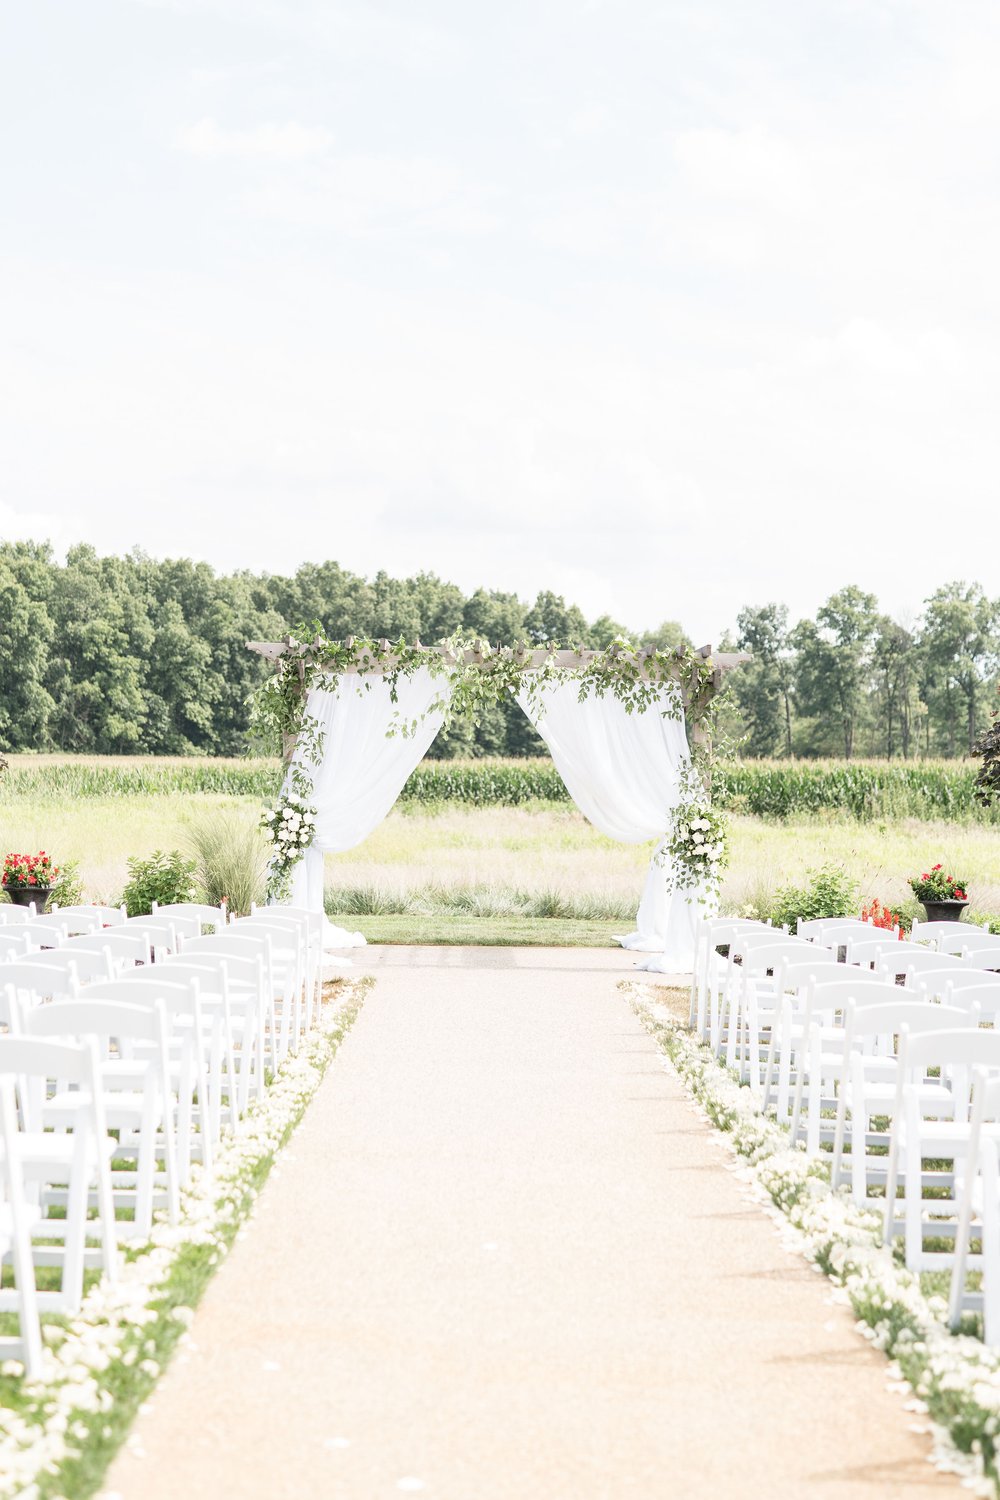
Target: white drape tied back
pixel 363 769
pixel 623 771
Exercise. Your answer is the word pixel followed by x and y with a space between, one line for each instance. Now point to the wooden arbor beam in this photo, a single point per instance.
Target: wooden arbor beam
pixel 722 661
pixel 694 708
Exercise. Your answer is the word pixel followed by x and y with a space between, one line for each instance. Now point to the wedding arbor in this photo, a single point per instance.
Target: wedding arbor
pixel 629 730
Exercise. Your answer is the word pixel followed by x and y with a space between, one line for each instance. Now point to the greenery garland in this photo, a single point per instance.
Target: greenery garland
pixel 632 674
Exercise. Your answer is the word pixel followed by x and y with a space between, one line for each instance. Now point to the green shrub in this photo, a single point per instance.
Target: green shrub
pixel 831 892
pixel 68 889
pixel 231 860
pixel 162 877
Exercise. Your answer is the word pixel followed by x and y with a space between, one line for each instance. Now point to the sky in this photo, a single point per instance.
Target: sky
pixel 668 307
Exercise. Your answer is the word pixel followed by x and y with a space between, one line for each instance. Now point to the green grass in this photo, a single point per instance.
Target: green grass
pixel 486 932
pixel 516 862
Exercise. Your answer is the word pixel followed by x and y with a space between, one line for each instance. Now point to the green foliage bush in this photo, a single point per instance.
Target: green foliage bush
pixel 162 877
pixel 831 892
pixel 68 889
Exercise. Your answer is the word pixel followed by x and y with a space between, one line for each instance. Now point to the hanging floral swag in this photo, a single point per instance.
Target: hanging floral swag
pixel 289 827
pixel 696 849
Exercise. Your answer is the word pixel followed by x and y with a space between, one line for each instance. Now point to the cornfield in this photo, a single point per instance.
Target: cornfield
pixel 865 790
pixel 774 790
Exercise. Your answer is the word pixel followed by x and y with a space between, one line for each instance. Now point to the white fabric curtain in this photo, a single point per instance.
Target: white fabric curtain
pixel 363 770
pixel 623 772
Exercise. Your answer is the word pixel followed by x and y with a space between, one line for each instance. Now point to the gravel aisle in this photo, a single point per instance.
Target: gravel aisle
pixel 502 1260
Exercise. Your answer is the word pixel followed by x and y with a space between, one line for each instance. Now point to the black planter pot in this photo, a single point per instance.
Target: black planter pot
pixel 944 911
pixel 23 895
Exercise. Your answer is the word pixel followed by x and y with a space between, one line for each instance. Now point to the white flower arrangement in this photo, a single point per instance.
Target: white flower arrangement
pixel 953 1379
pixel 46 1424
pixel 696 849
pixel 289 827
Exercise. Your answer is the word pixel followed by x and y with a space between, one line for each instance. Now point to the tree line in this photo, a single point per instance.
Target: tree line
pixel 133 655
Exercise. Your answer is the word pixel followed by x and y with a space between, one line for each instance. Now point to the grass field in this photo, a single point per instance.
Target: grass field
pixel 467 869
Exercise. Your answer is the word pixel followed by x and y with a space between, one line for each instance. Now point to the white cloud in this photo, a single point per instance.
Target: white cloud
pixel 267 142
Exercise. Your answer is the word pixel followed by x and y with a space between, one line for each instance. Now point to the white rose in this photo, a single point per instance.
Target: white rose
pixel 699 838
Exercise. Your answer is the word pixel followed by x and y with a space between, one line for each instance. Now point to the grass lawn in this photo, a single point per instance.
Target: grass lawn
pixel 447 930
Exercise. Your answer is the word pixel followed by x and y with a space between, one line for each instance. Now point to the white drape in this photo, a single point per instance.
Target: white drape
pixel 623 772
pixel 363 770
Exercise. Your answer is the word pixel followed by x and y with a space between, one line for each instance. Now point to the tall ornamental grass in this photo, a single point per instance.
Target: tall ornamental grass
pixel 230 860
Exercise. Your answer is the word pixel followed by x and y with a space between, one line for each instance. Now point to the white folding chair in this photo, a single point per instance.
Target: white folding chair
pixel 194 1046
pixel 930 1130
pixel 32 982
pixel 162 934
pixel 932 933
pixel 820 1059
pixel 314 923
pixel 866 1088
pixel 254 946
pixel 49 930
pixel 15 942
pixel 16 1222
pixel 14 916
pixel 98 916
pixel 756 1004
pixel 62 1171
pixel 244 987
pixel 741 945
pixel 195 912
pixel 966 936
pixel 794 976
pixel 711 934
pixel 980 1192
pixel 952 978
pixel 289 964
pixel 232 1024
pixel 82 966
pixel 137 1099
pixel 123 950
pixel 983 951
pixel 825 928
pixel 911 963
pixel 867 948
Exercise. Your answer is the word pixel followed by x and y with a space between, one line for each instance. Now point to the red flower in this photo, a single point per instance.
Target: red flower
pixel 936 867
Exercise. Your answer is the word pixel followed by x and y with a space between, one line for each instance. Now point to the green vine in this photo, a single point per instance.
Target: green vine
pixel 494 674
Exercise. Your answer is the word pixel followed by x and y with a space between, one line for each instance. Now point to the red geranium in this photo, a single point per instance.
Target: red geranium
pixel 28 870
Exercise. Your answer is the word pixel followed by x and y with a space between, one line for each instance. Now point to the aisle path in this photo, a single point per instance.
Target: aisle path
pixel 502 1260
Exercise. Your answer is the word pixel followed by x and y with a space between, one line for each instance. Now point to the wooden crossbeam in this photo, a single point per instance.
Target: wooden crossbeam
pixel 722 661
